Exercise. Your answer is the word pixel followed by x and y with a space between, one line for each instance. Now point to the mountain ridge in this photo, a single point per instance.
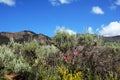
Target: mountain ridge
pixel 26 35
pixel 22 36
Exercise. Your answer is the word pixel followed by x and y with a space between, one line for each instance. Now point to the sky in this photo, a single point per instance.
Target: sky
pixel 76 16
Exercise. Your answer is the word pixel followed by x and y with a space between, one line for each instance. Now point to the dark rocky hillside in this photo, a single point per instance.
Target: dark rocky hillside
pixel 112 39
pixel 23 36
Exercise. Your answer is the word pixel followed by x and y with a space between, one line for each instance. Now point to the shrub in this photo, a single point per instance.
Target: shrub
pixel 10 62
pixel 64 41
pixel 47 55
pixel 6 56
pixel 15 46
pixel 45 50
pixel 89 39
pixel 28 51
pixel 19 65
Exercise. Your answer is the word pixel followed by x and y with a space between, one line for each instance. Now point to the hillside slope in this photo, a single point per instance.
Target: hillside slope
pixel 23 36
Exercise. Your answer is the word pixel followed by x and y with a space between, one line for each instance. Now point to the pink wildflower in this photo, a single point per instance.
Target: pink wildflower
pixel 75 52
pixel 65 58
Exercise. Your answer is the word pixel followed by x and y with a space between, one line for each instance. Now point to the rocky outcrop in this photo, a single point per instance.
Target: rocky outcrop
pixel 23 36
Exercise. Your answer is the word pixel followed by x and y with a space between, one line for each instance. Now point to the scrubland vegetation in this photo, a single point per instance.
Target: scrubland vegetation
pixel 68 57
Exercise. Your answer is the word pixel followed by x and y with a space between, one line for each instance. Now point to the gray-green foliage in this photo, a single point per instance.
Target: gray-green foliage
pixel 19 57
pixel 64 41
pixel 6 55
pixel 30 46
pixel 112 44
pixel 33 52
pixel 115 46
pixel 11 61
pixel 28 51
pixel 19 65
pixel 89 39
pixel 45 50
pixel 15 46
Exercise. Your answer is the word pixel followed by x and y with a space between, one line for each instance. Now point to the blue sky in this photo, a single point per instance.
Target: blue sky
pixel 44 16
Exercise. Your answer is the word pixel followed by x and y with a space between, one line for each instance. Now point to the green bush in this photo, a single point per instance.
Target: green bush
pixel 10 61
pixel 6 55
pixel 64 41
pixel 28 51
pixel 19 65
pixel 46 50
pixel 89 39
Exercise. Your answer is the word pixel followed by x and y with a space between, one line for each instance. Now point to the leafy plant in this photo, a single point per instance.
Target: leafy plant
pixel 64 41
pixel 90 39
pixel 10 62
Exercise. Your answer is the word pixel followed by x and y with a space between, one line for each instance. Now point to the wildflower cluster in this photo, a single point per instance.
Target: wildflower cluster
pixel 71 56
pixel 67 75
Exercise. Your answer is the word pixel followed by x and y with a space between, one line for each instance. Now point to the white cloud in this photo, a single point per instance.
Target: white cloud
pixel 111 29
pixel 97 10
pixel 60 2
pixel 117 2
pixel 62 29
pixel 90 30
pixel 8 2
pixel 64 1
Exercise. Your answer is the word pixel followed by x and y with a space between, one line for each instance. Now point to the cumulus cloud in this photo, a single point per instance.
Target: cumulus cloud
pixel 117 2
pixel 60 2
pixel 90 30
pixel 111 29
pixel 62 29
pixel 8 2
pixel 97 10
